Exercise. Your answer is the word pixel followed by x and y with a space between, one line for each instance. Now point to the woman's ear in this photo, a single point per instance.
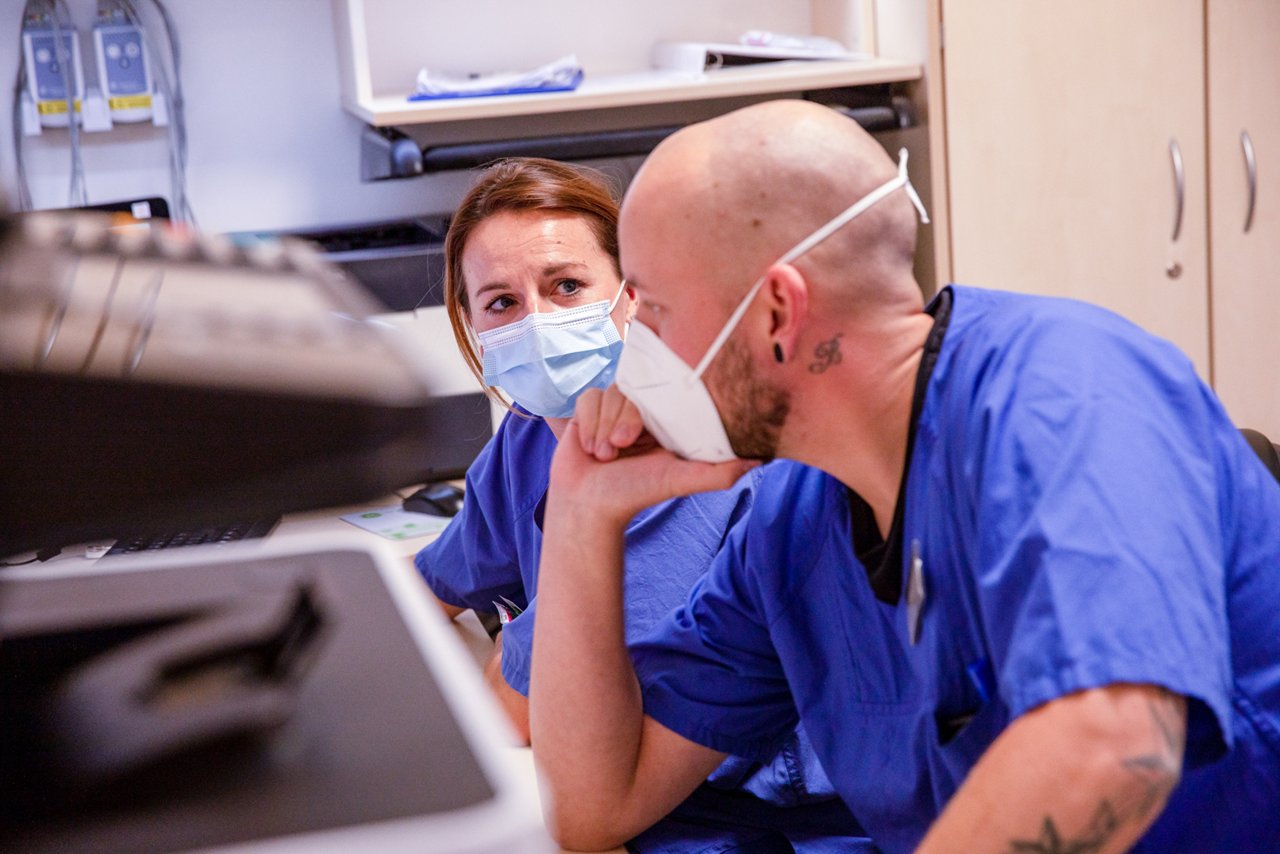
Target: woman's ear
pixel 632 305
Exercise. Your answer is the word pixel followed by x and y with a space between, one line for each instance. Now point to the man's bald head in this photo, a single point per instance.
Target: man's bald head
pixel 730 195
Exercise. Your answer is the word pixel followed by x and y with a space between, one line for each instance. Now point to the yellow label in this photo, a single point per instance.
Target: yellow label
pixel 129 102
pixel 52 108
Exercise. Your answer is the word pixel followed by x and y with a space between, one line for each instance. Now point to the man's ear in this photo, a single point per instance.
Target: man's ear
pixel 787 297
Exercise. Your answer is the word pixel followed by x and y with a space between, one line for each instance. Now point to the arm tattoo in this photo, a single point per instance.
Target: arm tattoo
pixel 1101 828
pixel 1161 769
pixel 826 354
pixel 1158 771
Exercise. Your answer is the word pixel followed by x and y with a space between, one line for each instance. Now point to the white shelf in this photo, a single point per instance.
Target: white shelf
pixel 629 90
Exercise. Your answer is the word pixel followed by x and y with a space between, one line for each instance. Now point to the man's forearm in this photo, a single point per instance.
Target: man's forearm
pixel 585 710
pixel 610 771
pixel 1086 773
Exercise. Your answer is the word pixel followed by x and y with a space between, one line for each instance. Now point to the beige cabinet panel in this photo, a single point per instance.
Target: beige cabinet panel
pixel 1244 98
pixel 1059 118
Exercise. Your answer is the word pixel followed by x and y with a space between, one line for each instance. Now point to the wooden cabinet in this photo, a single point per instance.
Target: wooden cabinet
pixel 1244 113
pixel 1114 151
pixel 1063 122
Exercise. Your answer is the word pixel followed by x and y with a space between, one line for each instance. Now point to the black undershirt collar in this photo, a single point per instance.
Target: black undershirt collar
pixel 882 558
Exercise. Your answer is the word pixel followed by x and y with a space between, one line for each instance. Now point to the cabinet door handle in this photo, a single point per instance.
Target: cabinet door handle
pixel 1251 167
pixel 1179 186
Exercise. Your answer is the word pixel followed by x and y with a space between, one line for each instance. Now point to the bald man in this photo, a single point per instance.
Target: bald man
pixel 1024 593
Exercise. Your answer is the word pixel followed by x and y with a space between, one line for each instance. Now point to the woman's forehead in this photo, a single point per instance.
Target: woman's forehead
pixel 517 234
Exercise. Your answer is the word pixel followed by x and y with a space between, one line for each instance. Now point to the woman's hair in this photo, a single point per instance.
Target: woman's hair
pixel 521 184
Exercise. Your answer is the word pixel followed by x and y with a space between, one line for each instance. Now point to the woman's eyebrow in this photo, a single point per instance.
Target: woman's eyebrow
pixel 552 269
pixel 491 286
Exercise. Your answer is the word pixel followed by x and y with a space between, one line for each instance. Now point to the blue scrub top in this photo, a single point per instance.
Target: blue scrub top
pixel 1084 513
pixel 491 549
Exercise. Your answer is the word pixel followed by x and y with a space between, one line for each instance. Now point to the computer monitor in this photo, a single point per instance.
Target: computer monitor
pixel 466 419
pixel 400 263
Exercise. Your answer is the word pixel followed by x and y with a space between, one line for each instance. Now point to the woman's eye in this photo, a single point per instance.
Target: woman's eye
pixel 569 287
pixel 500 304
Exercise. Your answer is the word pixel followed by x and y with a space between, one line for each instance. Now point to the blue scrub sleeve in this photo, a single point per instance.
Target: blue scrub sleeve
pixel 1099 544
pixel 517 648
pixel 710 672
pixel 474 562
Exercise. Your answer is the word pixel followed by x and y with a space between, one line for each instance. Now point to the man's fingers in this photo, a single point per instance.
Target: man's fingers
pixel 611 405
pixel 586 415
pixel 628 426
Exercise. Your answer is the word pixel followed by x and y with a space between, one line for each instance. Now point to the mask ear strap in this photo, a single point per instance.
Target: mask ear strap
pixel 835 224
pixel 910 190
pixel 728 328
pixel 618 296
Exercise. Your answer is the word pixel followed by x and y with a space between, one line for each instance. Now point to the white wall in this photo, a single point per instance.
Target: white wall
pixel 607 36
pixel 270 147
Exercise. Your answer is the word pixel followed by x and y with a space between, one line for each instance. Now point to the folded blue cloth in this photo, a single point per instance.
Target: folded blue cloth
pixel 562 75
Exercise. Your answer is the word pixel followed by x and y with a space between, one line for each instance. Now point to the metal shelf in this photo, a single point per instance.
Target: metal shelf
pixel 643 88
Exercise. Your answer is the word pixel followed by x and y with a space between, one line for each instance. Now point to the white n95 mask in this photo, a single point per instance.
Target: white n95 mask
pixel 673 401
pixel 544 361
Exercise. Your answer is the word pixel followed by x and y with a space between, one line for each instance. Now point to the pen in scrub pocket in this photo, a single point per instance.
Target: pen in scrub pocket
pixel 507 610
pixel 983 678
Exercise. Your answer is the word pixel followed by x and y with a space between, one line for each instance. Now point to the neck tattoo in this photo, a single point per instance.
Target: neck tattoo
pixel 826 354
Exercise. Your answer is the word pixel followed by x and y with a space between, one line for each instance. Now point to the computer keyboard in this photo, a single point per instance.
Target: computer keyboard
pixel 210 534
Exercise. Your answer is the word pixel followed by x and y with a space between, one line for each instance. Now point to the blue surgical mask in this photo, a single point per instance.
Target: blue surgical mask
pixel 544 361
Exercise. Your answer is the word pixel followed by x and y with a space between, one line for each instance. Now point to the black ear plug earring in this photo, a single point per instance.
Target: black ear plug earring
pixel 777 352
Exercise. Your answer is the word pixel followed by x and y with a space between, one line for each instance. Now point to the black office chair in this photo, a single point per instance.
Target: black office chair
pixel 1267 450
